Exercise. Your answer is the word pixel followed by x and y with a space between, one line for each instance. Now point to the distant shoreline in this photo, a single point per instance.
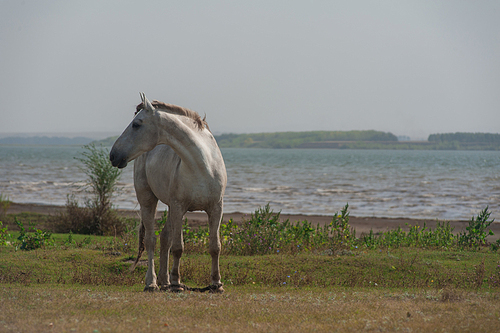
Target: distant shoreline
pixel 340 145
pixel 364 139
pixel 399 145
pixel 367 139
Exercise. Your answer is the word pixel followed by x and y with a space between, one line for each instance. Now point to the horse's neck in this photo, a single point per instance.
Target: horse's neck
pixel 185 140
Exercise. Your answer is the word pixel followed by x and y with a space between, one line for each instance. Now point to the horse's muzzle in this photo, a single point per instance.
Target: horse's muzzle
pixel 117 160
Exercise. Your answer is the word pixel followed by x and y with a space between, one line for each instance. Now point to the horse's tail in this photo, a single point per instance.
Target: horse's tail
pixel 142 231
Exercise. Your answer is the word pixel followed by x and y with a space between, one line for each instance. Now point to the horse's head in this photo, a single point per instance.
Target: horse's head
pixel 140 136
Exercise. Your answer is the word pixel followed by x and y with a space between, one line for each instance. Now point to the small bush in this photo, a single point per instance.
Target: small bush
pixel 258 235
pixel 97 217
pixel 4 204
pixel 342 235
pixel 417 236
pixel 475 234
pixel 90 221
pixel 34 240
pixel 495 246
pixel 3 235
pixel 196 241
pixel 264 233
pixel 102 176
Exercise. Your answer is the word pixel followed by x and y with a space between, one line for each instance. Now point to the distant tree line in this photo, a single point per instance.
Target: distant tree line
pixel 465 137
pixel 107 142
pixel 44 140
pixel 295 139
pixel 313 139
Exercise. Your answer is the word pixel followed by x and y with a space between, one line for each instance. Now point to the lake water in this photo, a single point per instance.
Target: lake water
pixel 382 183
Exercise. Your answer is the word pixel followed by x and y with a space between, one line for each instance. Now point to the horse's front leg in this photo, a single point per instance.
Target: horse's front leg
pixel 214 220
pixel 147 217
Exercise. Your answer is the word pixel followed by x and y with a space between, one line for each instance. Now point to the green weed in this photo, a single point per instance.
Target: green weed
pixel 33 238
pixel 420 237
pixel 475 234
pixel 4 204
pixel 495 246
pixel 264 233
pixel 342 234
pixel 3 234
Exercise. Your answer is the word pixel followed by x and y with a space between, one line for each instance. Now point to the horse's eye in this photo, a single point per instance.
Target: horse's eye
pixel 136 125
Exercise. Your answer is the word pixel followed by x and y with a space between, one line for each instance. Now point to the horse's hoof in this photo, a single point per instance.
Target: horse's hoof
pixel 216 289
pixel 151 289
pixel 175 288
pixel 165 287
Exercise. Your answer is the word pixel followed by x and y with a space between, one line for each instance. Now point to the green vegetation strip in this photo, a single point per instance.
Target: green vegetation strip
pixel 98 262
pixel 265 251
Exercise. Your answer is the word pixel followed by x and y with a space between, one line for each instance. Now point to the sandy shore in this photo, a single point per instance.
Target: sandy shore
pixel 361 224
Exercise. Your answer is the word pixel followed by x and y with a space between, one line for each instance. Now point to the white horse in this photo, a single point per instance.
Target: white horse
pixel 178 162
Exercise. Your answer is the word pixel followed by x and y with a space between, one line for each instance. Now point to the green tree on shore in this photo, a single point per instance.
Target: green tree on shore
pixel 97 217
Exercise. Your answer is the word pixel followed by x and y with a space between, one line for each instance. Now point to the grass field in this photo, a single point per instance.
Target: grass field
pixel 67 288
pixel 86 308
pixel 418 281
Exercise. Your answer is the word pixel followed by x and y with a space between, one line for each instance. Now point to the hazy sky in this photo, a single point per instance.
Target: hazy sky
pixel 408 67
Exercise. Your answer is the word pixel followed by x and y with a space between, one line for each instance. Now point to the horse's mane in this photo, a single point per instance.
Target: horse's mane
pixel 179 110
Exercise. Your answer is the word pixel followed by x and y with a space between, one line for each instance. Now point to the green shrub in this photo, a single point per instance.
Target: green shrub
pixel 89 221
pixel 442 236
pixel 475 234
pixel 102 176
pixel 4 204
pixel 195 239
pixel 3 235
pixel 258 235
pixel 264 233
pixel 342 234
pixel 417 236
pixel 495 246
pixel 97 216
pixel 369 241
pixel 33 238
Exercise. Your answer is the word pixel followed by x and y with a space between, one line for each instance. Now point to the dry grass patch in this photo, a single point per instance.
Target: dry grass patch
pixel 259 309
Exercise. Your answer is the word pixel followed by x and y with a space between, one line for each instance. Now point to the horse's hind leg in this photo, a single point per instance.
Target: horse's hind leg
pixel 174 227
pixel 214 219
pixel 165 245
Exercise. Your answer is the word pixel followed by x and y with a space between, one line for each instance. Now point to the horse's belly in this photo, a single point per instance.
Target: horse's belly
pixel 171 183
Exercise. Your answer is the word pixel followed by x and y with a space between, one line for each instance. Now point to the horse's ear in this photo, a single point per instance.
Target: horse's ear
pixel 146 103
